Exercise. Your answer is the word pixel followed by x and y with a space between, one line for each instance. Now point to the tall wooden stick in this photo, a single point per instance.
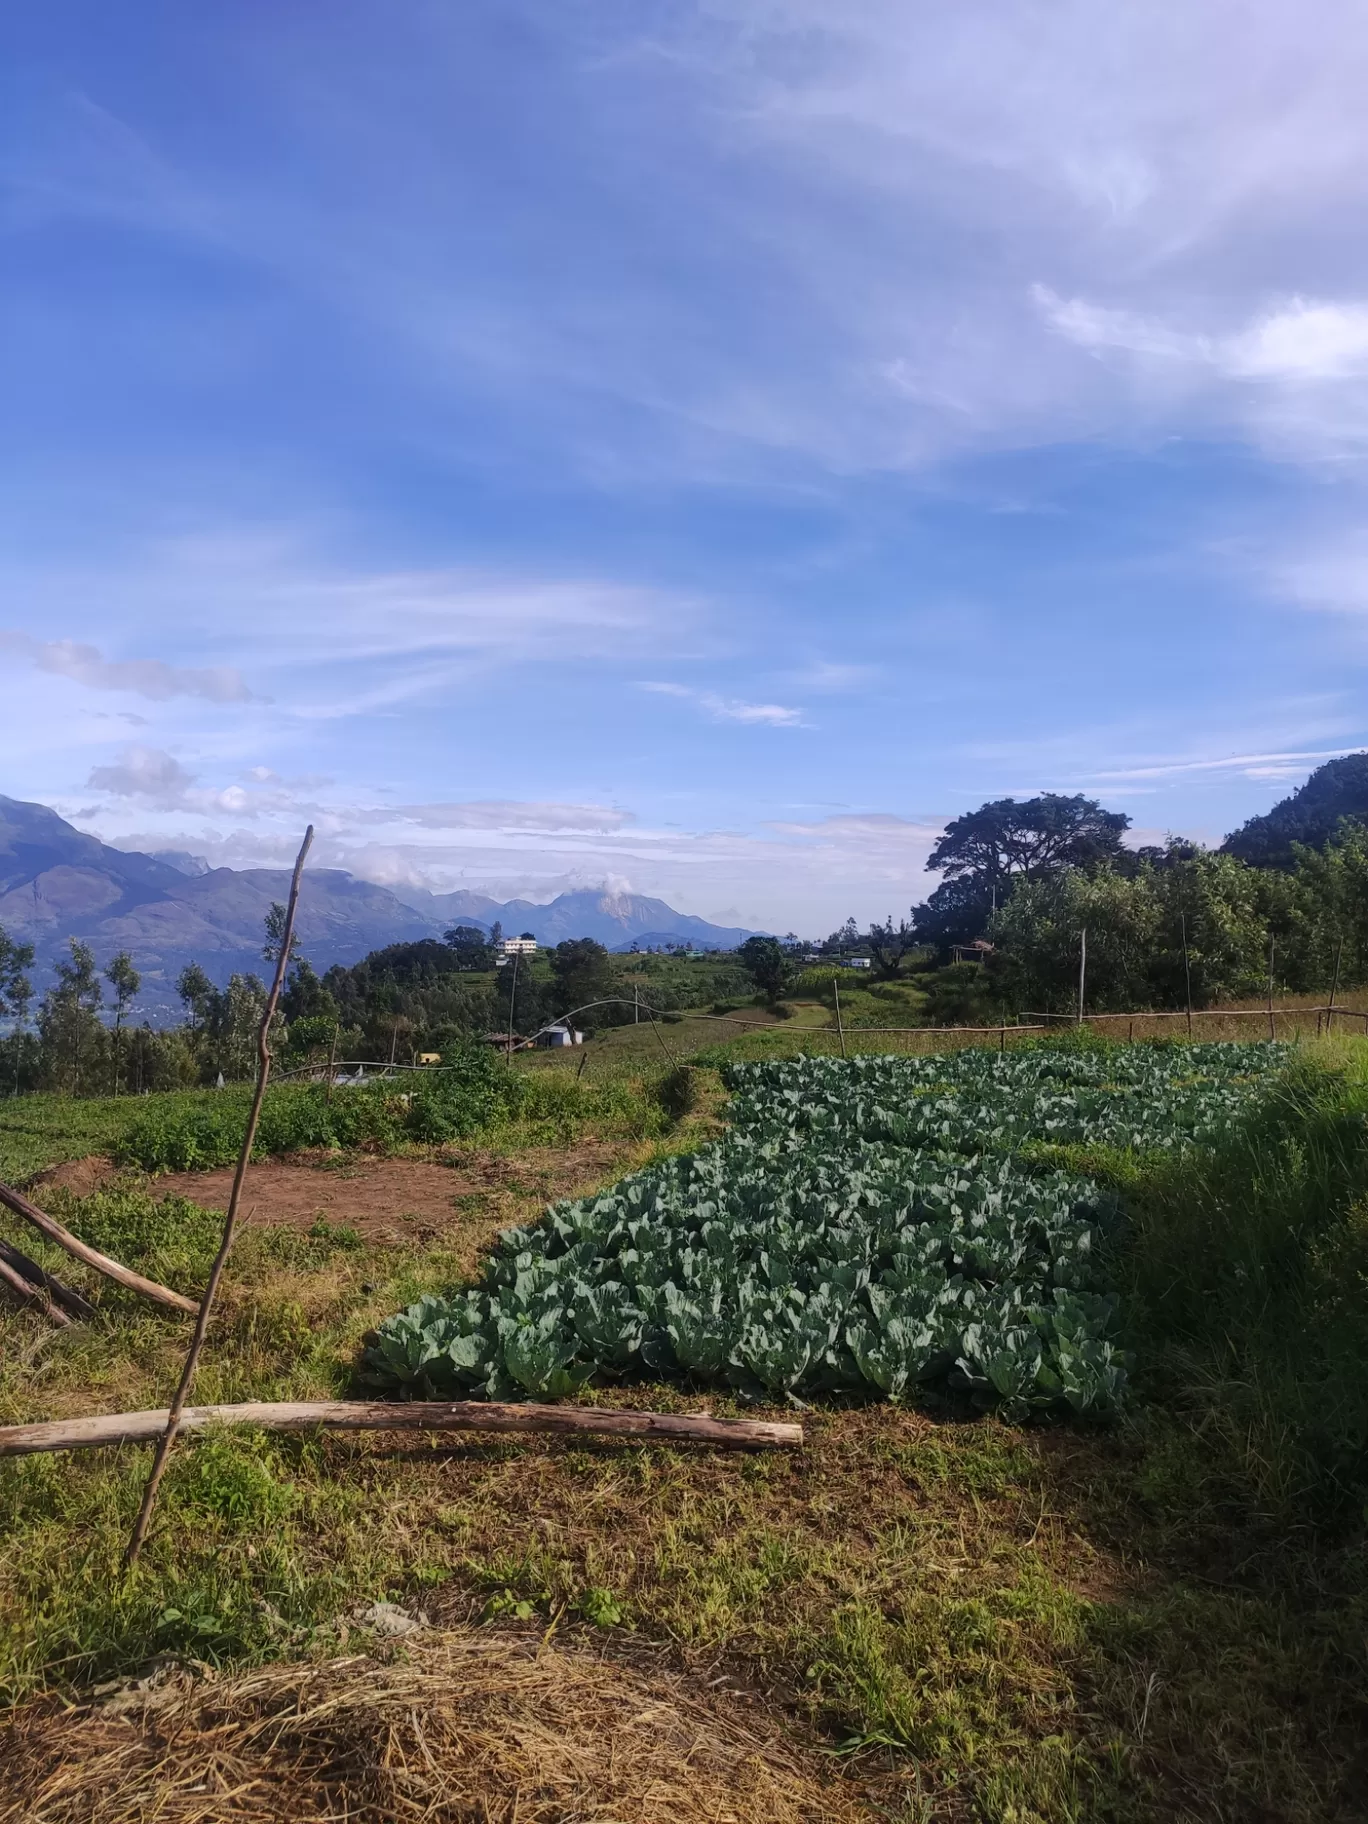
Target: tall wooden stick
pixel 187 1379
pixel 840 1029
pixel 1082 971
pixel 1187 973
pixel 1272 1029
pixel 1330 1010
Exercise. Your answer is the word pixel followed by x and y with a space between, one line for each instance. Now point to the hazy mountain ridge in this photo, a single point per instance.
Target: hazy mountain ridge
pixel 56 883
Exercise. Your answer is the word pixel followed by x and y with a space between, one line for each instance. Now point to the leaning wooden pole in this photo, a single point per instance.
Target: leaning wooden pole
pixel 115 1428
pixel 30 1293
pixel 92 1257
pixel 192 1355
pixel 73 1303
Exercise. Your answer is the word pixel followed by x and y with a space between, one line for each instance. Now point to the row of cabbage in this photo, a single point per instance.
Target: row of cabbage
pixel 1149 1097
pixel 863 1228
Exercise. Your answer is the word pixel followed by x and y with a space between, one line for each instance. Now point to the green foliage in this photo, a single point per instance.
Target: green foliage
pixel 228 1474
pixel 582 972
pixel 471 1090
pixel 768 964
pixel 1247 1279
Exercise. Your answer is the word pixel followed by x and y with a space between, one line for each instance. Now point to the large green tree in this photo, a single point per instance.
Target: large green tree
pixel 124 979
pixel 983 855
pixel 582 972
pixel 768 965
pixel 74 1041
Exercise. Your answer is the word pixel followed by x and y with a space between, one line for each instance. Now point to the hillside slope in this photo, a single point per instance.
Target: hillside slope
pixel 1309 815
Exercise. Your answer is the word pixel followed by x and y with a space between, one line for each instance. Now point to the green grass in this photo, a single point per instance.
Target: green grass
pixel 981 1621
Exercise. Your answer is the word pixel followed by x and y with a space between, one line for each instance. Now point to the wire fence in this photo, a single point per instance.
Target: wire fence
pixel 1208 1023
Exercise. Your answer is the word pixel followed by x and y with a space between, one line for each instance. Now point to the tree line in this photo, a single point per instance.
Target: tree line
pixel 1021 880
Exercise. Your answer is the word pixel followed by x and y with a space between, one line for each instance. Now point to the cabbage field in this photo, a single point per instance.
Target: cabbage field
pixel 868 1226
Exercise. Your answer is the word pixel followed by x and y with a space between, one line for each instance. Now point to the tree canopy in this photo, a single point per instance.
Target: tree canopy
pixel 1030 837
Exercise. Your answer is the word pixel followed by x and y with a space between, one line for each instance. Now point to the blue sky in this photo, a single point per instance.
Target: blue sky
pixel 701 446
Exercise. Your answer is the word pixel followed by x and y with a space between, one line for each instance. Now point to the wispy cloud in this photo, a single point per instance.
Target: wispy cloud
pixel 1253 766
pixel 151 678
pixel 508 815
pixel 732 709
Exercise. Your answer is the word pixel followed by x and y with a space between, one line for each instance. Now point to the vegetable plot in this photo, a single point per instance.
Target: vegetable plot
pixel 851 1233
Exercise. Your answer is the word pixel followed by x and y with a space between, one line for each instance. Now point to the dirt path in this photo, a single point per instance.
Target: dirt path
pixel 392 1200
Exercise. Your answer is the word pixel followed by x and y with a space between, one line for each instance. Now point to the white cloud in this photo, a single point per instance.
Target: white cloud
pixel 144 772
pixel 158 779
pixel 152 678
pixel 732 709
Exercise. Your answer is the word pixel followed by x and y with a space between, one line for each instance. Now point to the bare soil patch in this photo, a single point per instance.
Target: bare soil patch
pixel 474 1725
pixel 408 1200
pixel 79 1176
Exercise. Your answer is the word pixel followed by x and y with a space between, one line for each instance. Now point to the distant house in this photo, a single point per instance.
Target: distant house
pixel 856 962
pixel 554 1036
pixel 514 946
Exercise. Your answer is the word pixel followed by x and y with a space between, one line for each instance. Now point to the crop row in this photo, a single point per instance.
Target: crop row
pixel 864 1228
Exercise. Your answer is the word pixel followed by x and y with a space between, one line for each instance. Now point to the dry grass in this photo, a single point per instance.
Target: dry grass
pixel 488 1727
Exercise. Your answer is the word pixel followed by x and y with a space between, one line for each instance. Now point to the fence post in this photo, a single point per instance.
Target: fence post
pixel 1082 971
pixel 1330 1010
pixel 1187 974
pixel 840 1030
pixel 1272 1029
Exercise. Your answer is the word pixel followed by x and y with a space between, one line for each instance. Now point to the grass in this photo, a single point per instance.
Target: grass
pixel 1021 1626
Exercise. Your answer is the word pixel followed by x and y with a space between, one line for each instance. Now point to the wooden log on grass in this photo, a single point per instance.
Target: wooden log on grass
pixel 414 1415
pixel 30 1294
pixel 67 1298
pixel 112 1269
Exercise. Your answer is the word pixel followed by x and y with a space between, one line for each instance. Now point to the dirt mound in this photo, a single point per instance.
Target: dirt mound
pixel 79 1176
pixel 466 1728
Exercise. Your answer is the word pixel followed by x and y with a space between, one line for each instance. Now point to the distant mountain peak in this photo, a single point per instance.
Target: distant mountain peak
pixel 171 909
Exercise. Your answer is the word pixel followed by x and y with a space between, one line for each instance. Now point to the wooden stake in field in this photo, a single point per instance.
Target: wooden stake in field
pixel 1187 973
pixel 840 1030
pixel 1082 971
pixel 187 1379
pixel 1334 984
pixel 1272 1029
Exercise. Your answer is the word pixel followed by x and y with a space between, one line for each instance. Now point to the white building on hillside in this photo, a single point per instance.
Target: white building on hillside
pixel 515 946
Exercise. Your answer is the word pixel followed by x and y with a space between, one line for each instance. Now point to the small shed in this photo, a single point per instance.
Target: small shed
pixel 558 1035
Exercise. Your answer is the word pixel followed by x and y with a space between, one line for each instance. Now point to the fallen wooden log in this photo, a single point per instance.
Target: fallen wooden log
pixel 414 1415
pixel 112 1269
pixel 30 1294
pixel 67 1297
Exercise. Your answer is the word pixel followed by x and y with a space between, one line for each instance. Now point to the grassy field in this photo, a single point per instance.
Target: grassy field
pixel 1164 1619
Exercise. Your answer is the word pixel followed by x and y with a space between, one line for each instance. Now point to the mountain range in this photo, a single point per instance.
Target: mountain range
pixel 172 908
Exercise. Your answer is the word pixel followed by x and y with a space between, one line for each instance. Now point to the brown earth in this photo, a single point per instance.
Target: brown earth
pixel 389 1200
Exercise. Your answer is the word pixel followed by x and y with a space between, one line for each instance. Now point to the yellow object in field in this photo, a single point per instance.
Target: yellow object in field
pixel 429 1057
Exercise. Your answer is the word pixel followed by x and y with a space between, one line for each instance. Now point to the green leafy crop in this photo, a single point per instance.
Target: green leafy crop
pixel 864 1227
